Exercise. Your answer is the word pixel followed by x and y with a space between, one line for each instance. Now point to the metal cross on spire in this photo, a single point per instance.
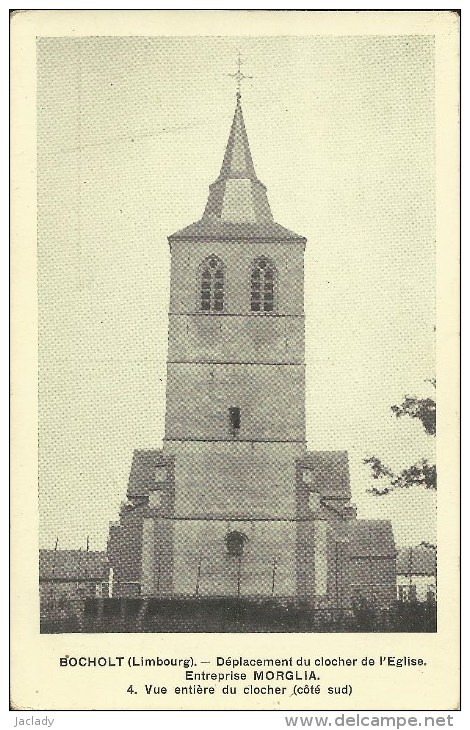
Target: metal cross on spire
pixel 239 76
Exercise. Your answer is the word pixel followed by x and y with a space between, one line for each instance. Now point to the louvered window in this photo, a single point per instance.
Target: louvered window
pixel 262 285
pixel 212 285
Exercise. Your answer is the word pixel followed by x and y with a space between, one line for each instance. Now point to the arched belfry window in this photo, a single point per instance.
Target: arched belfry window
pixel 235 542
pixel 262 285
pixel 212 285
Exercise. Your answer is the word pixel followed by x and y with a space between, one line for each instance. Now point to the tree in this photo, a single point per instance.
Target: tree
pixel 420 474
pixel 423 409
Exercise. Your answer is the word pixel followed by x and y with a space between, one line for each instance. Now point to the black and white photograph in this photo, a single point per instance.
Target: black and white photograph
pixel 236 297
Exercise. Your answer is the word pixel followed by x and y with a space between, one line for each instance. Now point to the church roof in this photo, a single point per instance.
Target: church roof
pixel 371 539
pixel 330 473
pixel 211 228
pixel 237 206
pixel 142 476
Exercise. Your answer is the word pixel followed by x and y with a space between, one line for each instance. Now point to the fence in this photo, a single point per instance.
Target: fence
pixel 230 615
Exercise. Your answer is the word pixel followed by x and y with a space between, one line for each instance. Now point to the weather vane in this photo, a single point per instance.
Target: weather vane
pixel 239 76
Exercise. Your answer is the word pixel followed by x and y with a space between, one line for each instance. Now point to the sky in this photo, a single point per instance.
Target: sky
pixel 131 132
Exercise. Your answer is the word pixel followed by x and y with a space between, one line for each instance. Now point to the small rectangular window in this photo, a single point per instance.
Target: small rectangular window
pixel 307 476
pixel 314 501
pixel 155 499
pixel 234 417
pixel 160 474
pixel 407 593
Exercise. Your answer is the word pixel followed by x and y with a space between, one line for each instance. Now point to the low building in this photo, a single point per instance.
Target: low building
pixel 72 574
pixel 372 562
pixel 416 573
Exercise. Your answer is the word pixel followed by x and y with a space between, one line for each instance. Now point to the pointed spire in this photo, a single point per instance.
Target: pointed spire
pixel 237 159
pixel 237 195
pixel 237 208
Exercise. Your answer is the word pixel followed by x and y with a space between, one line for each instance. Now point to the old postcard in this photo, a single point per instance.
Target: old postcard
pixel 235 319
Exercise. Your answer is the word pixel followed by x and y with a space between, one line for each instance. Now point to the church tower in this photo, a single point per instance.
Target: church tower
pixel 235 412
pixel 234 505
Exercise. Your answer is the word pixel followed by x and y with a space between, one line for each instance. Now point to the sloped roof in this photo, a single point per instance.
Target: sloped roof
pixel 418 560
pixel 73 565
pixel 371 539
pixel 237 208
pixel 211 228
pixel 330 472
pixel 142 476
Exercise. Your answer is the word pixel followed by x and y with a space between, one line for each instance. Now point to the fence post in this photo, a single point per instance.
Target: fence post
pixel 274 575
pixel 158 574
pixel 336 574
pixel 198 579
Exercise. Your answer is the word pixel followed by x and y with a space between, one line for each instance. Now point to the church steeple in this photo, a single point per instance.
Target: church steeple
pixel 237 159
pixel 237 207
pixel 237 196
